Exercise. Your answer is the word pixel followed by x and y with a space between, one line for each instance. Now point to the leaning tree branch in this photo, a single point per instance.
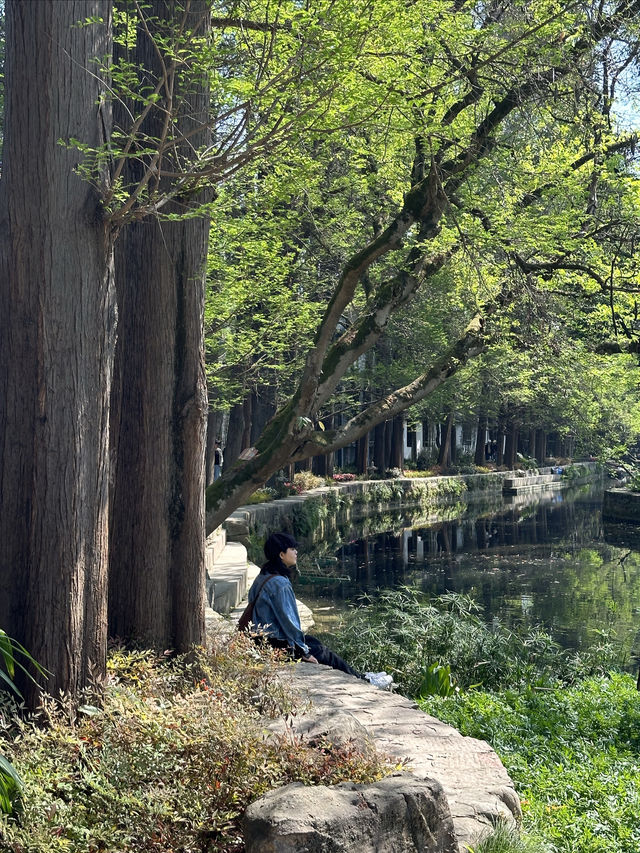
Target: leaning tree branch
pixel 371 326
pixel 472 343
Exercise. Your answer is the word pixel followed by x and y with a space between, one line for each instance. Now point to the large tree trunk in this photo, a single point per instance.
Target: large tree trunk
pixel 235 432
pixel 57 337
pixel 323 465
pixel 379 448
pixel 159 414
pixel 500 441
pixel 362 454
pixel 511 445
pixel 214 421
pixel 247 414
pixel 263 408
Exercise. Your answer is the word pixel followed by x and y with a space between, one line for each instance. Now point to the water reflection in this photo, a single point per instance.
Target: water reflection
pixel 545 562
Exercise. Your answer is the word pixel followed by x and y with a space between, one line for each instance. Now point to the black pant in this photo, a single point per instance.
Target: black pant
pixel 325 656
pixel 320 652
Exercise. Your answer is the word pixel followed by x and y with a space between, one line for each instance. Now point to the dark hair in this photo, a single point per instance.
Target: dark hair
pixel 277 543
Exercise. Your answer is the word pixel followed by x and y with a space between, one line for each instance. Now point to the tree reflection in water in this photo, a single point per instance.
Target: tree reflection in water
pixel 546 561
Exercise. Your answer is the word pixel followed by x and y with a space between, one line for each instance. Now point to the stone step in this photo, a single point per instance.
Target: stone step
pixel 227 578
pixel 214 546
pixel 518 484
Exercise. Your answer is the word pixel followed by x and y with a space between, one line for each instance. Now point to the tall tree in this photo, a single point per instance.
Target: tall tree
pixel 194 108
pixel 57 338
pixel 159 400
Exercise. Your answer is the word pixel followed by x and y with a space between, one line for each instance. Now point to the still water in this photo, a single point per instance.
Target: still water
pixel 545 561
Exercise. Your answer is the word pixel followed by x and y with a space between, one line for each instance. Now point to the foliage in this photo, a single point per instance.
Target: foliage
pixel 170 760
pixel 437 681
pixel 262 496
pixel 10 653
pixel 504 839
pixel 486 198
pixel 573 753
pixel 305 480
pixel 406 634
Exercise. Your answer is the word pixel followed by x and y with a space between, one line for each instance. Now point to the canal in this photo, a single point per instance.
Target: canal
pixel 545 561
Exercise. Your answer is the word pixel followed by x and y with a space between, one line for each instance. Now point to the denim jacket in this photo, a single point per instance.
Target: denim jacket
pixel 276 611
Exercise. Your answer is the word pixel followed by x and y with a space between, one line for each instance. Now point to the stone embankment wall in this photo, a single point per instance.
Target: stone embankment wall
pixel 621 505
pixel 312 515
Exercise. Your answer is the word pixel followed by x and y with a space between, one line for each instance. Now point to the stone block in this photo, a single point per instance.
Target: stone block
pixel 399 814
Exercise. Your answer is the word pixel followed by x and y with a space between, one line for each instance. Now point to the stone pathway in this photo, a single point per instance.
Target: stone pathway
pixel 477 786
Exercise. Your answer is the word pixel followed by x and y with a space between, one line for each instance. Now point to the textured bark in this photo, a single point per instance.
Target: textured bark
pixel 57 335
pixel 511 445
pixel 500 441
pixel 362 454
pixel 397 436
pixel 234 435
pixel 323 465
pixel 247 414
pixel 214 420
pixel 156 570
pixel 263 408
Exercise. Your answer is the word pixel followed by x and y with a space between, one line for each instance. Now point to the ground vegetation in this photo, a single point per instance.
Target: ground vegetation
pixel 169 760
pixel 564 724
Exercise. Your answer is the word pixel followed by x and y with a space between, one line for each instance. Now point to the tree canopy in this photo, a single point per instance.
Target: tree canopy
pixel 496 196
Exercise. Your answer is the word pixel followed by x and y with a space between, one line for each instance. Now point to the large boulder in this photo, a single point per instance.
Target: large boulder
pixel 399 814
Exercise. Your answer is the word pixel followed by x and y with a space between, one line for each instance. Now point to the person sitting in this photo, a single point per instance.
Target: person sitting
pixel 275 611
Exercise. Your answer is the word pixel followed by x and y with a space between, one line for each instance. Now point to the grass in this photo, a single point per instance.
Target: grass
pixel 505 839
pixel 169 761
pixel 566 726
pixel 572 752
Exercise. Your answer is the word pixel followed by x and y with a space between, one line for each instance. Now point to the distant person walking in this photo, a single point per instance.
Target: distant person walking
pixel 218 460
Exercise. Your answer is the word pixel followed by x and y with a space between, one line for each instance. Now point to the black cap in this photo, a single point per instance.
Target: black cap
pixel 277 543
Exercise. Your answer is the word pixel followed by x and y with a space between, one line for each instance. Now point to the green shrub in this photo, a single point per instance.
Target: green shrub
pixel 403 632
pixel 305 480
pixel 426 458
pixel 261 496
pixel 171 759
pixel 573 753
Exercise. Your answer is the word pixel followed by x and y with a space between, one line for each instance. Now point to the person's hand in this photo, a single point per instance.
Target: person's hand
pixel 310 659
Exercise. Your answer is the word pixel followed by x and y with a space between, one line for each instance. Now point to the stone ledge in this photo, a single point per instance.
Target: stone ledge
pixel 476 784
pixel 227 578
pixel 258 519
